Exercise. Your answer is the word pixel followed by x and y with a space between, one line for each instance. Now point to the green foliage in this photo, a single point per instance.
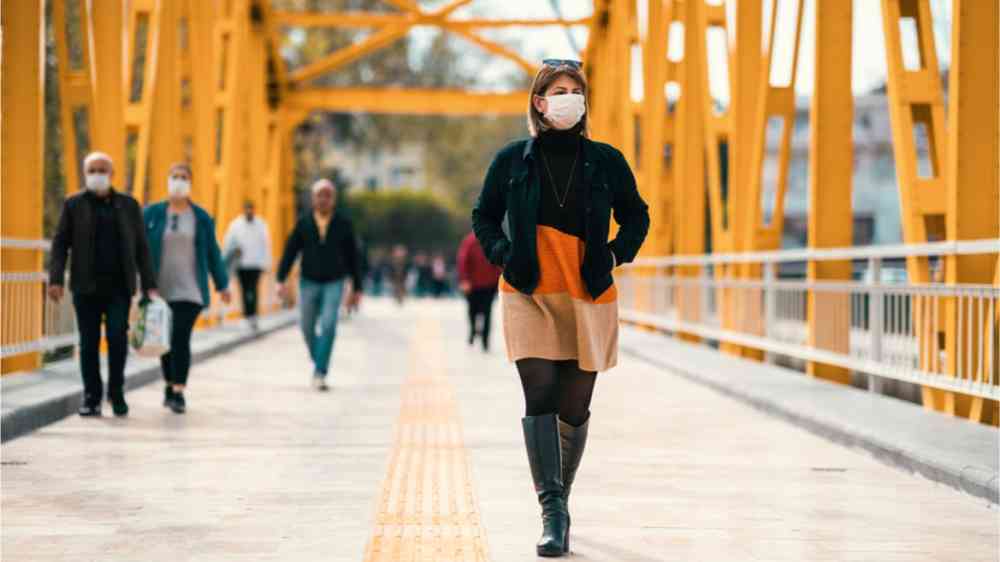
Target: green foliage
pixel 417 219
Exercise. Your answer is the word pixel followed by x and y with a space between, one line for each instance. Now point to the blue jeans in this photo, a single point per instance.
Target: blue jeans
pixel 320 306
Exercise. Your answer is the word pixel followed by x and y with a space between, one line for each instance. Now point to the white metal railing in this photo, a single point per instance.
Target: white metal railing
pixel 879 324
pixel 30 322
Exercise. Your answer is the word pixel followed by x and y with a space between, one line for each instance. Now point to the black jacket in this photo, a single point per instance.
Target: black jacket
pixel 511 189
pixel 329 259
pixel 75 236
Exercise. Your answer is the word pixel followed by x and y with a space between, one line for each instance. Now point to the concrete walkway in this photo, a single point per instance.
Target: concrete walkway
pixel 416 454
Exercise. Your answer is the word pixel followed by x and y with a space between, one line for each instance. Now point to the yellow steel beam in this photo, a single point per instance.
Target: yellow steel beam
pixel 448 9
pixel 380 19
pixel 916 99
pixel 22 139
pixel 405 5
pixel 165 143
pixel 381 38
pixel 689 195
pixel 107 123
pixel 717 132
pixel 831 119
pixel 232 44
pixel 75 104
pixel 748 72
pixel 972 177
pixel 201 43
pixel 143 17
pixel 527 66
pixel 654 122
pixel 411 101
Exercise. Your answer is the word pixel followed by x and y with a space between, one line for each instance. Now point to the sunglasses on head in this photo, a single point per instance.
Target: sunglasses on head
pixel 555 63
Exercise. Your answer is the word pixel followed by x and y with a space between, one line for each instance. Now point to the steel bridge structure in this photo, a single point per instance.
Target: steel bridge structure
pixel 152 82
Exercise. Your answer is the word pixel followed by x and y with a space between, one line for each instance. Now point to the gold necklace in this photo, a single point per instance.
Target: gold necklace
pixel 552 179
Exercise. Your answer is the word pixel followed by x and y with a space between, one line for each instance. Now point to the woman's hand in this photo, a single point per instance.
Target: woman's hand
pixel 282 290
pixel 226 296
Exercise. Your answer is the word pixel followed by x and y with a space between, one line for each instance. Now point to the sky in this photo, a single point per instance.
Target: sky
pixel 869 65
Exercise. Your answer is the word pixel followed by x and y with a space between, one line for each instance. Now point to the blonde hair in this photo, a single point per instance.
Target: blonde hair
pixel 545 77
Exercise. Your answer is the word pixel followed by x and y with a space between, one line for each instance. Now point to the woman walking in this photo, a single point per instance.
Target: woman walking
pixel 184 252
pixel 558 190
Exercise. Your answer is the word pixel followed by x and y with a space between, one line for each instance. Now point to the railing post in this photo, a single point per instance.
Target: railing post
pixel 704 294
pixel 770 303
pixel 875 319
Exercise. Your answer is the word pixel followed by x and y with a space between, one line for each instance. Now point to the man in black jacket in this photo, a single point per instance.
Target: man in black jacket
pixel 103 231
pixel 329 254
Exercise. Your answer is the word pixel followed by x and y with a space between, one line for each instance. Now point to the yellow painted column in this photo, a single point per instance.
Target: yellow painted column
pixel 654 116
pixel 916 103
pixel 973 160
pixel 107 123
pixel 749 69
pixel 201 28
pixel 22 23
pixel 831 166
pixel 165 100
pixel 689 195
pixel 76 108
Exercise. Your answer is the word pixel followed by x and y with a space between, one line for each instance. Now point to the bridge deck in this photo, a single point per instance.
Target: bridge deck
pixel 416 454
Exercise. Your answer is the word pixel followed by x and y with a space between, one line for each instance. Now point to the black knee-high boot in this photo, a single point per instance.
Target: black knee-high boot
pixel 541 439
pixel 573 440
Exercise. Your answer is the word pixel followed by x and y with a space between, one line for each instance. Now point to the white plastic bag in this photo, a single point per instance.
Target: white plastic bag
pixel 151 331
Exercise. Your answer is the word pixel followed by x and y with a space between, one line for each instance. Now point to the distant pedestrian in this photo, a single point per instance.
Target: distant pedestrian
pixel 101 229
pixel 185 254
pixel 439 276
pixel 477 279
pixel 557 191
pixel 326 241
pixel 249 241
pixel 399 269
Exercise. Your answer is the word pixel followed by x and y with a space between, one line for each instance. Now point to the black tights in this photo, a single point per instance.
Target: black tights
pixel 552 387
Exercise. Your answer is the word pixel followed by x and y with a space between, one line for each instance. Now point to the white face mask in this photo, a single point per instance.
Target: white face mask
pixel 98 182
pixel 565 110
pixel 178 187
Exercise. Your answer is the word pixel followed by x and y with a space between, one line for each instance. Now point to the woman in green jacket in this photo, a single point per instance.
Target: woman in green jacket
pixel 558 191
pixel 184 253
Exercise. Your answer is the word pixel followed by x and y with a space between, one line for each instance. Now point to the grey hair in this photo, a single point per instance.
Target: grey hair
pixel 98 157
pixel 322 184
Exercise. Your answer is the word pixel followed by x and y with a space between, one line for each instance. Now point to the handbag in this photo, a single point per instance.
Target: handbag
pixel 150 335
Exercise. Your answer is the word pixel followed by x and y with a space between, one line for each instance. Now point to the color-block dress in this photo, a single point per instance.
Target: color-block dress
pixel 560 320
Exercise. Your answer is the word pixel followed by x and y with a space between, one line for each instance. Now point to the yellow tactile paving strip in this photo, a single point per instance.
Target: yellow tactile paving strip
pixel 427 509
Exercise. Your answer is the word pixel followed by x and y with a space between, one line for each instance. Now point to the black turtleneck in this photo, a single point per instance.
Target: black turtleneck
pixel 559 149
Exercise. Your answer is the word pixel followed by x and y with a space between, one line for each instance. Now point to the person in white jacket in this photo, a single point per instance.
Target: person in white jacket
pixel 248 244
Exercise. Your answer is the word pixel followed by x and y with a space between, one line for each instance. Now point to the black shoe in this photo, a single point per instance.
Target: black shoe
pixel 119 406
pixel 178 405
pixel 541 439
pixel 168 395
pixel 472 338
pixel 90 409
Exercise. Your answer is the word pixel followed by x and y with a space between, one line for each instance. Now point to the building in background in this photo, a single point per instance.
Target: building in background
pixel 376 168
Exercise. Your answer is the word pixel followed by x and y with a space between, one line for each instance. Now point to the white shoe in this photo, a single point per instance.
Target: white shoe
pixel 319 383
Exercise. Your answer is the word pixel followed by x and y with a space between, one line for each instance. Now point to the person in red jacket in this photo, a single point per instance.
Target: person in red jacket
pixel 478 279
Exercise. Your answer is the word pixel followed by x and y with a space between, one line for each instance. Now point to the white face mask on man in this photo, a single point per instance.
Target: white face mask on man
pixel 178 187
pixel 565 110
pixel 98 183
